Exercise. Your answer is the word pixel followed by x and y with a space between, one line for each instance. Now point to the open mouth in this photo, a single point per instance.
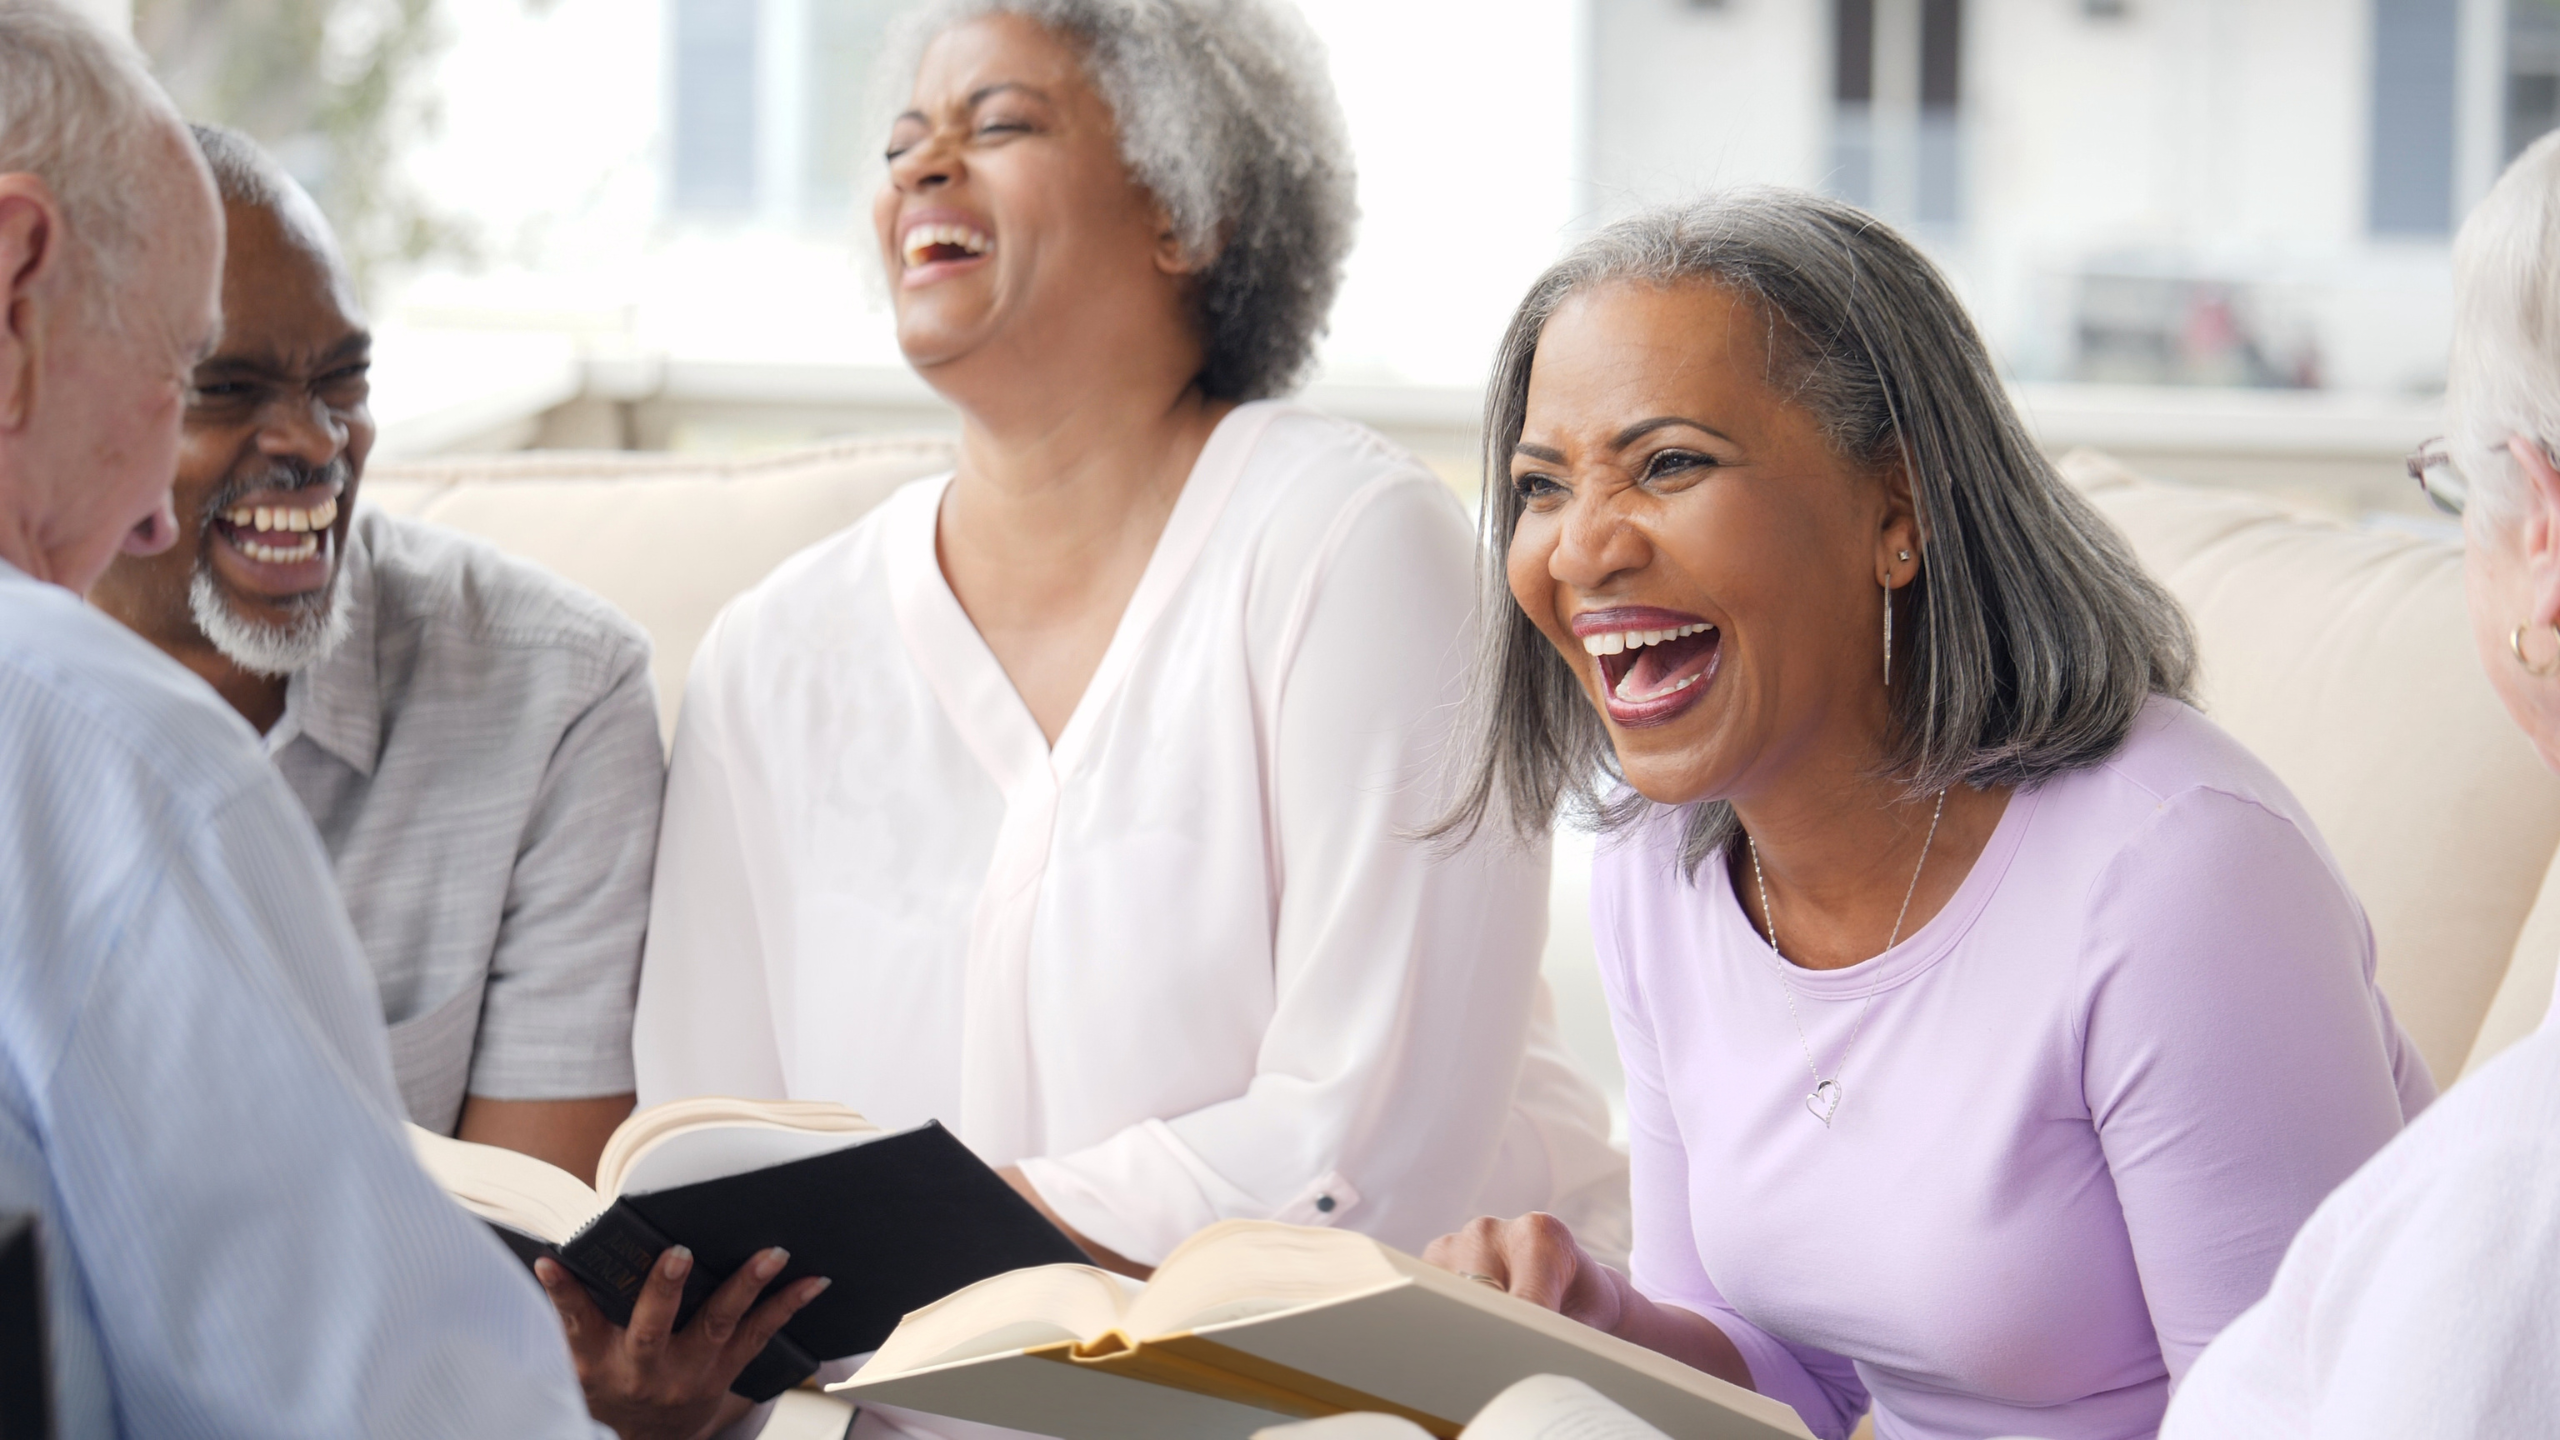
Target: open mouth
pixel 278 534
pixel 943 243
pixel 1650 671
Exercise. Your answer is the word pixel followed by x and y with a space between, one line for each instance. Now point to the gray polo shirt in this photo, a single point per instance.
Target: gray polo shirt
pixel 481 758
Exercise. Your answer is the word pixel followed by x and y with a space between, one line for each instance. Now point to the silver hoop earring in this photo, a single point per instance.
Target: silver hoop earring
pixel 2547 668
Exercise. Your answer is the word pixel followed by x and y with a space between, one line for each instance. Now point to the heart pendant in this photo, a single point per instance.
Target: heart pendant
pixel 1824 1102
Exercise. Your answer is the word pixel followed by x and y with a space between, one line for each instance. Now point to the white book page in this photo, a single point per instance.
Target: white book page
pixel 1555 1407
pixel 715 1152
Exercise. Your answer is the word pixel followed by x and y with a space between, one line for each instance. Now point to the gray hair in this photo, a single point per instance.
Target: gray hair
pixel 1226 114
pixel 2504 376
pixel 79 111
pixel 2035 637
pixel 243 174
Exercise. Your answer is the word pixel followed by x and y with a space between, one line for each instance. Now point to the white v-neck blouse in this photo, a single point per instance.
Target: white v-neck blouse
pixel 1185 967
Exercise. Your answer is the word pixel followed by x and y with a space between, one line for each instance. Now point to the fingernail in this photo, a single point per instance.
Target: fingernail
pixel 819 1287
pixel 770 1263
pixel 547 1272
pixel 679 1261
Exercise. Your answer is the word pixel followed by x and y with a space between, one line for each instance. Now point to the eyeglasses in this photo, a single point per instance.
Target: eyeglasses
pixel 2431 465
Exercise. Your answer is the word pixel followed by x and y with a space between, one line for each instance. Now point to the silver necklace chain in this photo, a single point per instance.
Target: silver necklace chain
pixel 1824 1102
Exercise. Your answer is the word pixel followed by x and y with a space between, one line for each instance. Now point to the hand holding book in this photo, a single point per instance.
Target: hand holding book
pixel 649 1379
pixel 1534 1257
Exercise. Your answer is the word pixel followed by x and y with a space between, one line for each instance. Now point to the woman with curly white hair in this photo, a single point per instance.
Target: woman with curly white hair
pixel 1069 798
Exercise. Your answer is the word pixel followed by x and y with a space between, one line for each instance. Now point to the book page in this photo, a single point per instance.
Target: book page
pixel 1555 1407
pixel 645 1130
pixel 719 1150
pixel 1239 1269
pixel 524 1194
pixel 1044 1305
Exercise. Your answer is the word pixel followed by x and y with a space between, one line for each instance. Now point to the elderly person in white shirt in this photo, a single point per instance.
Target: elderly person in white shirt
pixel 196 1098
pixel 2423 1297
pixel 1069 798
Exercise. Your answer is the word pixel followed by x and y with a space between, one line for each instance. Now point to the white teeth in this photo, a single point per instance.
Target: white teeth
pixel 301 549
pixel 288 518
pixel 925 237
pixel 1628 679
pixel 1612 642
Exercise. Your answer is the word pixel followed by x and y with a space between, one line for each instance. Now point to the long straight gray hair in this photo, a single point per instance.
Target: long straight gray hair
pixel 2035 637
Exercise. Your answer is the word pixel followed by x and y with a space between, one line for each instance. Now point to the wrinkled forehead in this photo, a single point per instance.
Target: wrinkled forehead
pixel 989 54
pixel 285 288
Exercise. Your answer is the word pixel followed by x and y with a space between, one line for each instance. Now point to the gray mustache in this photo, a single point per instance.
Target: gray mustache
pixel 284 476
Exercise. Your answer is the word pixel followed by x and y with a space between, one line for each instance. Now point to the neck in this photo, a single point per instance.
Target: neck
pixel 1838 851
pixel 258 698
pixel 1061 468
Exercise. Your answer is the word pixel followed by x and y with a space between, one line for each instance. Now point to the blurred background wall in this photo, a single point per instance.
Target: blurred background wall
pixel 2211 234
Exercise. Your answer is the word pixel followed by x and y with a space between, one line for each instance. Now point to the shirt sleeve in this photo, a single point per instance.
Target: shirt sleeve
pixel 1404 976
pixel 1823 1388
pixel 2418 1299
pixel 261 1255
pixel 555 1022
pixel 704 1023
pixel 2236 1059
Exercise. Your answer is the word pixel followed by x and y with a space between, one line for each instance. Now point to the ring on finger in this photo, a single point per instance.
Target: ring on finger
pixel 1482 1279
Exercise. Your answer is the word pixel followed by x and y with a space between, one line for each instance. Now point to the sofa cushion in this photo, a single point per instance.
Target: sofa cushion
pixel 2524 996
pixel 2343 657
pixel 669 538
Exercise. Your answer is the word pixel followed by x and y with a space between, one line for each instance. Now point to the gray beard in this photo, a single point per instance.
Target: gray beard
pixel 319 624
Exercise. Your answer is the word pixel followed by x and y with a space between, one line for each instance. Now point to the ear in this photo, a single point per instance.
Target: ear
pixel 1172 256
pixel 2538 530
pixel 1897 530
pixel 30 251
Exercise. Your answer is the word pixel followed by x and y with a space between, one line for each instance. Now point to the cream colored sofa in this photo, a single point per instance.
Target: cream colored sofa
pixel 2341 655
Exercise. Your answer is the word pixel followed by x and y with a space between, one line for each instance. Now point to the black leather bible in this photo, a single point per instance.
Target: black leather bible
pixel 896 1221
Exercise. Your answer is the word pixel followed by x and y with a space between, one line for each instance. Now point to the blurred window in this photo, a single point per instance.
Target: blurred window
pixel 771 118
pixel 2533 72
pixel 2411 190
pixel 715 104
pixel 1897 137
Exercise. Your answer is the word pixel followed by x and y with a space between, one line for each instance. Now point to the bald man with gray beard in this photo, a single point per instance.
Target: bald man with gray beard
pixel 475 739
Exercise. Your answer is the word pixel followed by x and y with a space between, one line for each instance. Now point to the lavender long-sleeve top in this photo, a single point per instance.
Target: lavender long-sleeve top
pixel 2092 1100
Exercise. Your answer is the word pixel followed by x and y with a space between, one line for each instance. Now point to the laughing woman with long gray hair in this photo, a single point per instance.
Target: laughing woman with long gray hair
pixel 1991 1020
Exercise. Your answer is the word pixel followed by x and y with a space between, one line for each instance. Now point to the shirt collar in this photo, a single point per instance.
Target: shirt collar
pixel 337 701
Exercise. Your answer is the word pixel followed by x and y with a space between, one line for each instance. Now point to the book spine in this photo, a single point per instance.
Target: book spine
pixel 613 1255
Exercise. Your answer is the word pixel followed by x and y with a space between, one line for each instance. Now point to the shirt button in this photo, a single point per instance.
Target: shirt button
pixel 1324 1204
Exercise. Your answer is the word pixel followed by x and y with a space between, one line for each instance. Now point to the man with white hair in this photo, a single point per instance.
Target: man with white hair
pixel 195 1094
pixel 474 738
pixel 2423 1296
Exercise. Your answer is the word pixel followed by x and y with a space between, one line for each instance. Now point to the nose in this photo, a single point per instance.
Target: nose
pixel 1597 543
pixel 929 164
pixel 302 427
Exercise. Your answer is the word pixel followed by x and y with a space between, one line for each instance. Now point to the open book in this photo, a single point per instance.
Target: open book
pixel 894 1219
pixel 1249 1323
pixel 1542 1407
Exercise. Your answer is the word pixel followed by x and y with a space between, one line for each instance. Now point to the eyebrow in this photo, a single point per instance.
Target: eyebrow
pixel 1642 428
pixel 1538 452
pixel 356 344
pixel 979 97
